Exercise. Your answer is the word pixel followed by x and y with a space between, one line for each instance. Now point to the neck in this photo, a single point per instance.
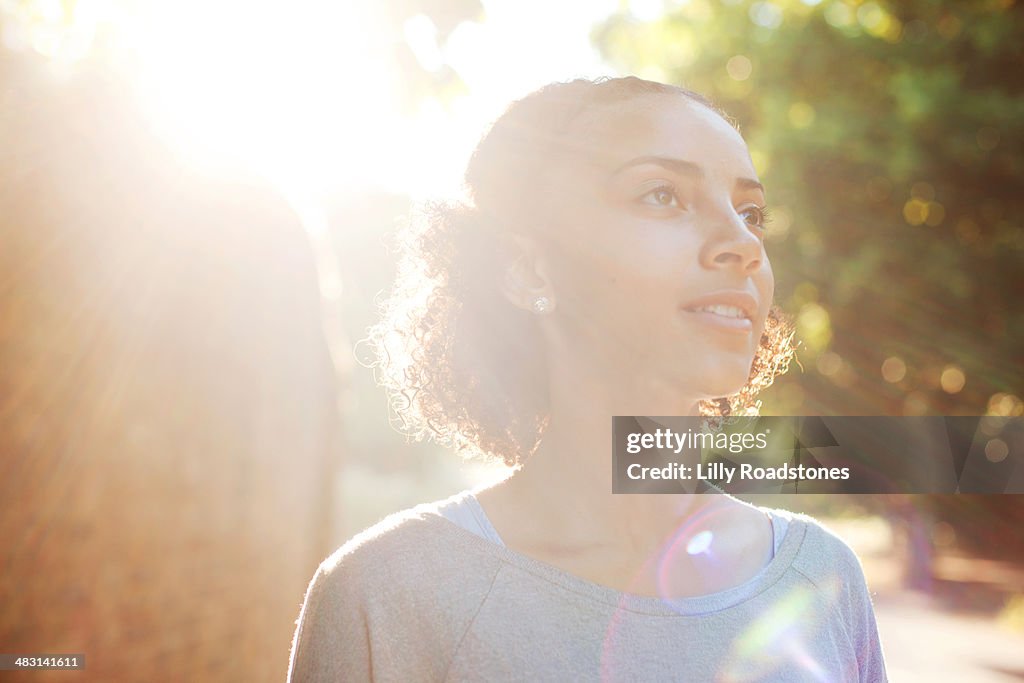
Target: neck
pixel 568 481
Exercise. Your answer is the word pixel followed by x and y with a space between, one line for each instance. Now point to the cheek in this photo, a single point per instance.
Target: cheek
pixel 619 277
pixel 765 283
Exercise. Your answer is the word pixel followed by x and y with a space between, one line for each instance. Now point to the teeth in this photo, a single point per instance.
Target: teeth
pixel 727 311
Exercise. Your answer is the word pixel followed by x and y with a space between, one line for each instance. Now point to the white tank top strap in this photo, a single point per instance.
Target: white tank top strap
pixel 465 510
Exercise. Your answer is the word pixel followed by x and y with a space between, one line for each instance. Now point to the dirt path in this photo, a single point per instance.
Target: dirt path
pixel 923 643
pixel 922 639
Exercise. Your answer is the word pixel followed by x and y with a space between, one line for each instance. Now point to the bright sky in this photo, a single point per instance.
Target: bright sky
pixel 298 90
pixel 522 45
pixel 322 120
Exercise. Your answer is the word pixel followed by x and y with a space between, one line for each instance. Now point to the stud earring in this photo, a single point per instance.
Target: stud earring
pixel 542 305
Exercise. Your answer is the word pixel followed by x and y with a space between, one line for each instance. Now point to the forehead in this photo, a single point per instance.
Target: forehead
pixel 666 125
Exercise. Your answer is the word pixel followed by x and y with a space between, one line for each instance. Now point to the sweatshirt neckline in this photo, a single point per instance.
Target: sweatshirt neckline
pixel 686 607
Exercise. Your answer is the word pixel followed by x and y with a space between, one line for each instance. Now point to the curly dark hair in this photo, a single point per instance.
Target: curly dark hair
pixel 461 363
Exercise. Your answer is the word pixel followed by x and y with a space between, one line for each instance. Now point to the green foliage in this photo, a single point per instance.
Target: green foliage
pixel 888 137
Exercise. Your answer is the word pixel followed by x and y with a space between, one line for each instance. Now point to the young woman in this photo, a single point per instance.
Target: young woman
pixel 610 260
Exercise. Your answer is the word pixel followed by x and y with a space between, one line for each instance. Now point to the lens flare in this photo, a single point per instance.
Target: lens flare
pixel 778 636
pixel 699 543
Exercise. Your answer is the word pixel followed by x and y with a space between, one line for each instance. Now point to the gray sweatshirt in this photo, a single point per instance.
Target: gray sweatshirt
pixel 419 598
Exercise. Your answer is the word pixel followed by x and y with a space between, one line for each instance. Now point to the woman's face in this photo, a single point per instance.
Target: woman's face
pixel 656 252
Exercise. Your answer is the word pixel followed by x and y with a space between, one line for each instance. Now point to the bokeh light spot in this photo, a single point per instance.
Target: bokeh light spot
pixel 893 369
pixel 838 15
pixel 1005 405
pixel 915 211
pixel 766 14
pixel 815 326
pixel 952 379
pixel 874 19
pixel 739 67
pixel 996 450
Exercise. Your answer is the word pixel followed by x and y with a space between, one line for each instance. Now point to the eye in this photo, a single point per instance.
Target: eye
pixel 755 216
pixel 663 195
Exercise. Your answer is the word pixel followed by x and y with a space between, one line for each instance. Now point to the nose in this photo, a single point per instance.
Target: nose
pixel 731 244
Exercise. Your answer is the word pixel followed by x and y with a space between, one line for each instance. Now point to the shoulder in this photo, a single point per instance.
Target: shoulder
pixel 828 563
pixel 820 552
pixel 390 538
pixel 827 550
pixel 405 554
pixel 392 602
pixel 825 559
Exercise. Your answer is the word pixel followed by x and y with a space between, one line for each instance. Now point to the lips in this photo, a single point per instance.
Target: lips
pixel 729 311
pixel 742 305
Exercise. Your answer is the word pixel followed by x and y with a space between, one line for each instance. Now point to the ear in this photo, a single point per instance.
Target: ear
pixel 525 278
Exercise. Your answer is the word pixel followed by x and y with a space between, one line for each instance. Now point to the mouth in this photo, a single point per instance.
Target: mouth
pixel 727 310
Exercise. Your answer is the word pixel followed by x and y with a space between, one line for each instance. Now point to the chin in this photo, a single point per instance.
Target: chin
pixel 725 383
pixel 714 376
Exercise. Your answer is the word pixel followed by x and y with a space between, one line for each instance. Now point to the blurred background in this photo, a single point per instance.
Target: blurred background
pixel 196 204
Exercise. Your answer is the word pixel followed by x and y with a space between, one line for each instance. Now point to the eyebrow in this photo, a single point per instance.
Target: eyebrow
pixel 683 167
